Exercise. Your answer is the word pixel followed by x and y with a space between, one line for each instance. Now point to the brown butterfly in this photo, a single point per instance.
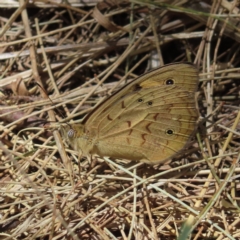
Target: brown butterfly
pixel 150 119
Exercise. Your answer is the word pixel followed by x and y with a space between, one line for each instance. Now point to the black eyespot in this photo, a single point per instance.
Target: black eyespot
pixel 71 133
pixel 169 132
pixel 140 100
pixel 149 103
pixel 169 82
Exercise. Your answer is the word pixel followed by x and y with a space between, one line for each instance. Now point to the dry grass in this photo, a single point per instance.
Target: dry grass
pixel 79 55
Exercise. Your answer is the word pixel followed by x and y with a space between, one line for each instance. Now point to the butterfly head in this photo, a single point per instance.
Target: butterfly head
pixel 77 138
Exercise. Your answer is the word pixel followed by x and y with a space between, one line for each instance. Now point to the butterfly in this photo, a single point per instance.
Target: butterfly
pixel 150 119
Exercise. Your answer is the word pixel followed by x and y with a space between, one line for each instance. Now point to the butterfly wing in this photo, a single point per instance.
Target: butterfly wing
pixel 150 119
pixel 184 75
pixel 157 128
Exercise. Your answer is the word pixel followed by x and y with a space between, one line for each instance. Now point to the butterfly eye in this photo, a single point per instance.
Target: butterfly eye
pixel 149 103
pixel 71 133
pixel 140 100
pixel 169 82
pixel 169 132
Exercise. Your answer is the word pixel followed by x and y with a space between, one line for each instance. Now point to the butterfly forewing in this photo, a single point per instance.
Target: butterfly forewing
pixel 182 74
